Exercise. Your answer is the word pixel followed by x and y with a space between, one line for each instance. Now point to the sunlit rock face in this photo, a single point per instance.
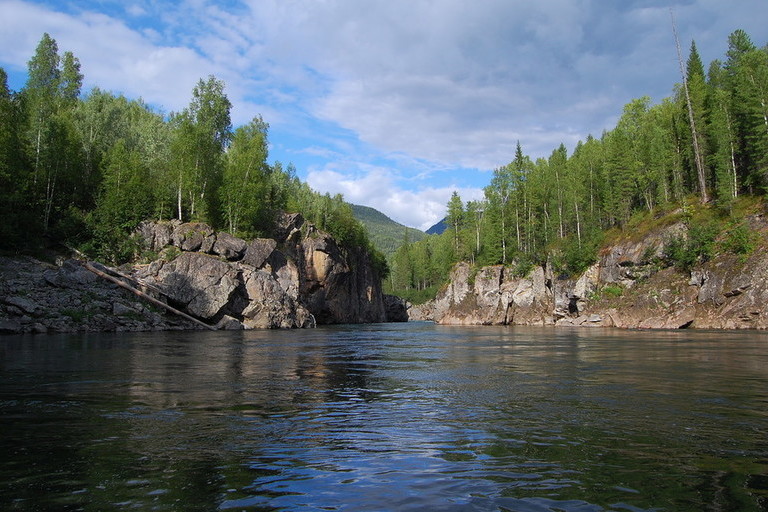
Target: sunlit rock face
pixel 630 286
pixel 299 279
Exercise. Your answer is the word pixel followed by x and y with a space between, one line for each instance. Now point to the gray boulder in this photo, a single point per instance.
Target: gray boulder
pixel 200 283
pixel 229 247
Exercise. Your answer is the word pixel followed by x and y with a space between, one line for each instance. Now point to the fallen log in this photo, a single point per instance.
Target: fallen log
pixel 146 297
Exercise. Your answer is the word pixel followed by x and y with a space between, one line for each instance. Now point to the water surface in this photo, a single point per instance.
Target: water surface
pixel 386 417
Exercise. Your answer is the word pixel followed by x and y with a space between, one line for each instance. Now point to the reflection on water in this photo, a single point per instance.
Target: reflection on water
pixel 386 417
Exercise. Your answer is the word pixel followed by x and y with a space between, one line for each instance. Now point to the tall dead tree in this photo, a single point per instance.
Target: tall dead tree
pixel 697 152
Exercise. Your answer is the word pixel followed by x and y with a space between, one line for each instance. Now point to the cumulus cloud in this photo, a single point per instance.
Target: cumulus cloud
pixel 379 187
pixel 405 94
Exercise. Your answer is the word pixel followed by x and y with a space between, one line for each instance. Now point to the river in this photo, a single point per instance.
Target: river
pixel 386 417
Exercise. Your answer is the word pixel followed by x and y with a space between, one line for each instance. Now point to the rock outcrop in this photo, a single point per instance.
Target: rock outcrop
pixel 299 279
pixel 38 297
pixel 629 287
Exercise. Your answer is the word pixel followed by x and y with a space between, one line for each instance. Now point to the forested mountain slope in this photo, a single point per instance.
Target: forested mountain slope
pixel 385 234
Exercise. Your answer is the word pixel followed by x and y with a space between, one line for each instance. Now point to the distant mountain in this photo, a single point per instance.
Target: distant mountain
pixel 386 234
pixel 438 228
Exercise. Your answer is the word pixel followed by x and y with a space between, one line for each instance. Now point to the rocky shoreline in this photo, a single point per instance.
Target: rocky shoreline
pixel 39 297
pixel 628 287
pixel 299 279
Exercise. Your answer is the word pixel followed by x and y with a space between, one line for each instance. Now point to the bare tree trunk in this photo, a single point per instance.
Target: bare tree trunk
pixel 578 221
pixel 178 198
pixel 700 172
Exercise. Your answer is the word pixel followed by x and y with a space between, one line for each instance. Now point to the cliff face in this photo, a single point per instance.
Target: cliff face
pixel 301 278
pixel 626 288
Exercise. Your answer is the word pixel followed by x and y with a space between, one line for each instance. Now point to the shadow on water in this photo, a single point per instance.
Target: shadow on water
pixel 386 417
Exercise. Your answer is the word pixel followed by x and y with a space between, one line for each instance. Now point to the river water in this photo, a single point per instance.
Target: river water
pixel 386 417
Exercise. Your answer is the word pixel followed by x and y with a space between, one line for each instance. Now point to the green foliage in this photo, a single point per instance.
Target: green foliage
pixel 523 266
pixel 77 315
pixel 739 239
pixel 386 234
pixel 613 291
pixel 697 247
pixel 573 257
pixel 633 180
pixel 245 181
pixel 421 296
pixel 170 253
pixel 88 170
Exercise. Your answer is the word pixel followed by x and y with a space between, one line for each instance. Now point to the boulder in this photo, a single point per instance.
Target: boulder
pixel 157 235
pixel 269 306
pixel 228 323
pixel 229 247
pixel 23 303
pixel 198 282
pixel 10 326
pixel 288 227
pixel 395 308
pixel 257 252
pixel 338 287
pixel 421 312
pixel 193 236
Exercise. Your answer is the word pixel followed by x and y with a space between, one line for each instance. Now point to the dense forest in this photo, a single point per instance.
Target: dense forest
pixel 86 169
pixel 704 148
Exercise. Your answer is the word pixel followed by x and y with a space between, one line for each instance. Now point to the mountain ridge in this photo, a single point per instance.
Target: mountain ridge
pixel 386 234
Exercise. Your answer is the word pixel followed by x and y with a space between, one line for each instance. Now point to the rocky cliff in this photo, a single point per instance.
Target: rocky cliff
pixel 300 278
pixel 297 279
pixel 630 287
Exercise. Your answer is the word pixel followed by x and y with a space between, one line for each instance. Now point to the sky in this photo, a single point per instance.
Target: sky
pixel 392 103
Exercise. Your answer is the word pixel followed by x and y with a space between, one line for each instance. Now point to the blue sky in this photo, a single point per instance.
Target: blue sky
pixel 393 103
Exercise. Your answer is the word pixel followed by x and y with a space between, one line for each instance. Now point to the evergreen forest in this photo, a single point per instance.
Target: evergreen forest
pixel 84 169
pixel 702 153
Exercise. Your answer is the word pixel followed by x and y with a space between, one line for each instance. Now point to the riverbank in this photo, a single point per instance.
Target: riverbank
pixel 665 276
pixel 40 297
pixel 298 279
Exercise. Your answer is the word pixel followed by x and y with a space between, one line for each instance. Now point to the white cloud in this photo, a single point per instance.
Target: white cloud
pixel 379 188
pixel 135 10
pixel 429 87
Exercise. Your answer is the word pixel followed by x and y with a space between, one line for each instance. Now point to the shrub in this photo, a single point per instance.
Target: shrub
pixel 698 247
pixel 739 239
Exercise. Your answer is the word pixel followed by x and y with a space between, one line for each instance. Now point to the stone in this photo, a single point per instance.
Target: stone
pixel 288 227
pixel 336 286
pixel 9 326
pixel 228 323
pixel 269 306
pixel 200 283
pixel 23 303
pixel 157 235
pixel 228 246
pixel 421 312
pixel 257 251
pixel 39 328
pixel 120 309
pixel 191 235
pixel 395 308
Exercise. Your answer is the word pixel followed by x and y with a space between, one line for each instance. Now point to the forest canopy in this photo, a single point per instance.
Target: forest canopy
pixel 86 169
pixel 706 144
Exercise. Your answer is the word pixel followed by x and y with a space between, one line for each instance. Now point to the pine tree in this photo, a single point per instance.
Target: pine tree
pixel 455 219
